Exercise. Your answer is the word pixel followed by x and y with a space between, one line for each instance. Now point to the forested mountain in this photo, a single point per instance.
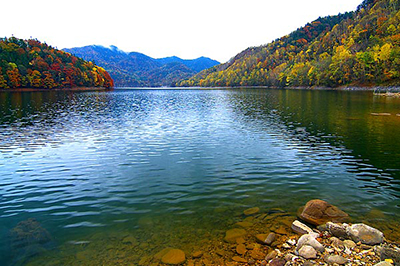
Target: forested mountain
pixel 136 69
pixel 32 64
pixel 358 48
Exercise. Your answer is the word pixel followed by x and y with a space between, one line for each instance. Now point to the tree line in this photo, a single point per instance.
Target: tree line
pixel 356 48
pixel 32 64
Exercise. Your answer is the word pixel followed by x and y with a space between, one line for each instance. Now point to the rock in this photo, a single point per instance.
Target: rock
pixel 291 242
pixel 266 239
pixel 251 211
pixel 241 249
pixel 277 262
pixel 233 234
pixel 309 239
pixel 364 233
pixel 28 233
pixel 389 253
pixel 197 254
pixel 239 259
pixel 257 254
pixel 383 263
pixel 308 252
pixel 281 231
pixel 309 263
pixel 300 228
pixel 338 230
pixel 336 242
pixel 240 240
pixel 161 253
pixel 318 212
pixel 286 246
pixel 272 255
pixel 349 244
pixel 270 238
pixel 331 259
pixel 244 224
pixel 173 257
pixel 290 257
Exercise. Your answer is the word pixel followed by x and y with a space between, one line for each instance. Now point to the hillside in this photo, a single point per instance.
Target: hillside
pixel 32 64
pixel 136 69
pixel 357 48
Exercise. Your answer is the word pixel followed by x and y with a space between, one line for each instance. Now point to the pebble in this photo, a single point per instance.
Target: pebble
pixel 197 254
pixel 241 249
pixel 309 239
pixel 349 244
pixel 300 228
pixel 307 252
pixel 272 255
pixel 331 259
pixel 239 259
pixel 277 262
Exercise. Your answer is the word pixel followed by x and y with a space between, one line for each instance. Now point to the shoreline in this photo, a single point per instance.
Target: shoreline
pixel 57 89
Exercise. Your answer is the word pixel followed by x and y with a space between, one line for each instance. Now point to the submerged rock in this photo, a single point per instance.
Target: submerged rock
pixel 173 257
pixel 233 234
pixel 251 211
pixel 366 234
pixel 28 232
pixel 318 212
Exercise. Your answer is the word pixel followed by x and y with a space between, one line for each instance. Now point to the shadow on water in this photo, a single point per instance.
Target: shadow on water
pixel 123 172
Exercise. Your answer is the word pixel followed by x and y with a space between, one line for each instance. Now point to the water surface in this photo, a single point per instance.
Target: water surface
pixel 168 165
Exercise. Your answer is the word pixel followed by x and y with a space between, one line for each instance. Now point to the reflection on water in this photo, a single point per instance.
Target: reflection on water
pixel 141 169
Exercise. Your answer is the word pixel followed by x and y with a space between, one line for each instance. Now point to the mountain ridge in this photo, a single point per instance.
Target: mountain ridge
pixel 138 69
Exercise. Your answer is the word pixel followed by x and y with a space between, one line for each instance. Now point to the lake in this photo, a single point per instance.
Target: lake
pixel 114 177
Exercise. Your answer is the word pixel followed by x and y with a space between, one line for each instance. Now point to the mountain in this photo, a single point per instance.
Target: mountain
pixel 360 48
pixel 136 69
pixel 32 64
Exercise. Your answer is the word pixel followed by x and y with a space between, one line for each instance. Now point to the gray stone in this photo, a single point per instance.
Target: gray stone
pixel 364 233
pixel 309 239
pixel 270 238
pixel 277 262
pixel 308 252
pixel 272 255
pixel 331 259
pixel 349 244
pixel 383 263
pixel 389 253
pixel 336 242
pixel 338 230
pixel 301 228
pixel 290 257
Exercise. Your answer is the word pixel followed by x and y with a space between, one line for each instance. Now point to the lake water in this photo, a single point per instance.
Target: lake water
pixel 116 176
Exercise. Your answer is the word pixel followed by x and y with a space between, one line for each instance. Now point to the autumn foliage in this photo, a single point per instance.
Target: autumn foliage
pixel 32 64
pixel 356 48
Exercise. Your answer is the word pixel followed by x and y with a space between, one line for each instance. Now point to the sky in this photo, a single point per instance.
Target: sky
pixel 218 29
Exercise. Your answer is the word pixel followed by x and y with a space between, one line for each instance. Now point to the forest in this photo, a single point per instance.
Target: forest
pixel 359 48
pixel 32 64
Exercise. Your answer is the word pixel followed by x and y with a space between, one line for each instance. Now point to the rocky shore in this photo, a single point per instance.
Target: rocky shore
pixel 321 238
pixel 321 234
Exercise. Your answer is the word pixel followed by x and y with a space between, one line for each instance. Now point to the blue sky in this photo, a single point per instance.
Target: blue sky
pixel 218 29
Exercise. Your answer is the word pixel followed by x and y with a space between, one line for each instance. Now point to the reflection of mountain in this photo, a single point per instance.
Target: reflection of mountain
pixel 136 69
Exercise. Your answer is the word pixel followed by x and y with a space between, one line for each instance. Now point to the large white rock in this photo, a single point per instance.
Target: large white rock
pixel 366 234
pixel 301 228
pixel 310 239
